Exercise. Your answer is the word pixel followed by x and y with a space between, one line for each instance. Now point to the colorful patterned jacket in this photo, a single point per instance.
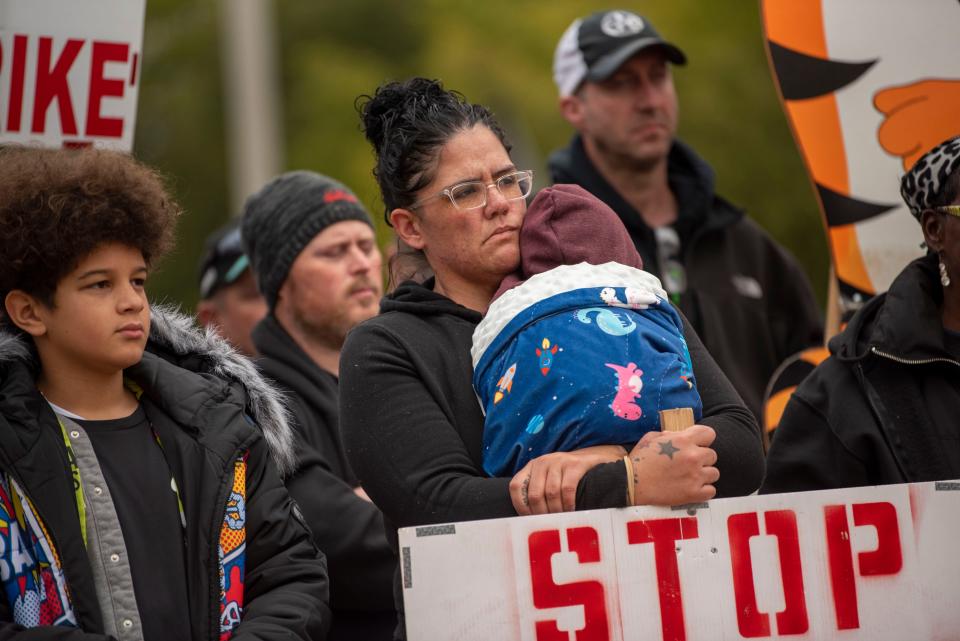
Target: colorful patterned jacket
pixel 250 559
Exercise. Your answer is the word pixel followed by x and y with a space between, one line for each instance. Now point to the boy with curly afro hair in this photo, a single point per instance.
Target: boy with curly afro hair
pixel 138 498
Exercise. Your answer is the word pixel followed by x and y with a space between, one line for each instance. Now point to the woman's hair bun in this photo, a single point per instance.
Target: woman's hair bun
pixel 397 102
pixel 408 123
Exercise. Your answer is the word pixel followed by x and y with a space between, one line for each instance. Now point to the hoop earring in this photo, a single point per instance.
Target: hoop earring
pixel 944 276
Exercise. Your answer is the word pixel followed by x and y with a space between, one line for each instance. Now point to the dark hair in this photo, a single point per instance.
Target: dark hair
pixel 57 206
pixel 407 123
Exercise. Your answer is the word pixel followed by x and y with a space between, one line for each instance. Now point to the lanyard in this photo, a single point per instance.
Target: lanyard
pixel 78 485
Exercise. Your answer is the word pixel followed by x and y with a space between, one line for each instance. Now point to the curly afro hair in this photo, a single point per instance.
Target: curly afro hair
pixel 58 206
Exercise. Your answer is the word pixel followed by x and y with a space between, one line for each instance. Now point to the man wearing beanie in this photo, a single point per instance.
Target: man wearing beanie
pixel 312 249
pixel 746 297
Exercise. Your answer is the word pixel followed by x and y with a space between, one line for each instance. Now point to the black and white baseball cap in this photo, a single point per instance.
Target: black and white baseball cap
pixel 594 47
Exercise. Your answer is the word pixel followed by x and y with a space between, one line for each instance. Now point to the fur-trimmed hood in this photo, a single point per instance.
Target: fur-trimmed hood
pixel 175 337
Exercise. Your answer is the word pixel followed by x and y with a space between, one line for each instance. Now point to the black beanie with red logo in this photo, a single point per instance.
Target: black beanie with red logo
pixel 285 215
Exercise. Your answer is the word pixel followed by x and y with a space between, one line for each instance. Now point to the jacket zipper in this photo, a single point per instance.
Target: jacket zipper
pixel 908 361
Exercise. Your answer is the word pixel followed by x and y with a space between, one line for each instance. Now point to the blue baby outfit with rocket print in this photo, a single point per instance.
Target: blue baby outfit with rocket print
pixel 579 355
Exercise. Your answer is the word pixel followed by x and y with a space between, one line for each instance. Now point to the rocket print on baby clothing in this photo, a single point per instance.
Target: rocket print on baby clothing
pixel 546 355
pixel 505 384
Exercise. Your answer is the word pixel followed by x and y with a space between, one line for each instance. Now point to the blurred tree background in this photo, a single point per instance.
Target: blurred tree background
pixel 498 53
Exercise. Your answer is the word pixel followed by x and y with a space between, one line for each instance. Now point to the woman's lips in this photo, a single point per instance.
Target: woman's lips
pixel 499 231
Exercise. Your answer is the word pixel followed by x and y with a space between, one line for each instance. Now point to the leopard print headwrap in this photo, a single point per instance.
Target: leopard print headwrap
pixel 922 184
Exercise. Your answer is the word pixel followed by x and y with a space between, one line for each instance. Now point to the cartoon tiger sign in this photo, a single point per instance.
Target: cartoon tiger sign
pixel 868 87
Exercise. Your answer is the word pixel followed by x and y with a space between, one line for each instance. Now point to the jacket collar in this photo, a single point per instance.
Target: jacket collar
pixel 691 181
pixel 301 374
pixel 904 322
pixel 217 373
pixel 420 299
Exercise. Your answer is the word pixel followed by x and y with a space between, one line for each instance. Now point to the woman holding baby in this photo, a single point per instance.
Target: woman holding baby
pixel 411 422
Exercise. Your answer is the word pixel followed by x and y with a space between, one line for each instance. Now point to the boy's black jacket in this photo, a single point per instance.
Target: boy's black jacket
pixel 198 394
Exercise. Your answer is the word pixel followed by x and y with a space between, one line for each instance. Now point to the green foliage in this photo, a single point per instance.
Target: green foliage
pixel 497 53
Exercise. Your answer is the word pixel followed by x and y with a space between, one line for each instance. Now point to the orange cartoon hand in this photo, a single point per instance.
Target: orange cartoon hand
pixel 918 117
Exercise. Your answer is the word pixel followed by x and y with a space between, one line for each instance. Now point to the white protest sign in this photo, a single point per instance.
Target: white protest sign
pixel 69 72
pixel 861 564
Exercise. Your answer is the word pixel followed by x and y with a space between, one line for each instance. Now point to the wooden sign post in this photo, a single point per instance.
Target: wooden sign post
pixel 676 420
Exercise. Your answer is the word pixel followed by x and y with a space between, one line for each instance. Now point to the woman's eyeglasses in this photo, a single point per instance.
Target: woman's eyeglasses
pixel 473 194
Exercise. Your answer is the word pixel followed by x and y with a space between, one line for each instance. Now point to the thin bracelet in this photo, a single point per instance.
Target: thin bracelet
pixel 630 488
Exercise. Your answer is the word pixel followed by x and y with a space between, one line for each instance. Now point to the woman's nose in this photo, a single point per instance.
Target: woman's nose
pixel 497 203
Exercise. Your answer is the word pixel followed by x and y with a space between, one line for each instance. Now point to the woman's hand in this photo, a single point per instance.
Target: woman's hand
pixel 548 483
pixel 674 468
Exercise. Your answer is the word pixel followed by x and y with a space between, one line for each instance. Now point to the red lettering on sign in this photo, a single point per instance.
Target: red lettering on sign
pixel 740 529
pixel 548 594
pixel 664 533
pixel 841 567
pixel 783 525
pixel 101 87
pixel 886 559
pixel 52 84
pixel 16 82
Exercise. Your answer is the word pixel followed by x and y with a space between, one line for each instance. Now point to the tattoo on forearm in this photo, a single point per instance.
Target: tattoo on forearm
pixel 667 449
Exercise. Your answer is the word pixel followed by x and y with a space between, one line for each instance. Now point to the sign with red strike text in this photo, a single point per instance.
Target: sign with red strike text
pixel 861 564
pixel 69 72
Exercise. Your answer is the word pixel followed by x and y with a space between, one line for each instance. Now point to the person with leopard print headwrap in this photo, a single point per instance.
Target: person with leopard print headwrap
pixel 882 408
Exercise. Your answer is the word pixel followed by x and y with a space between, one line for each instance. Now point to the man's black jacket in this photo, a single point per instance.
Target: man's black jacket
pixel 348 529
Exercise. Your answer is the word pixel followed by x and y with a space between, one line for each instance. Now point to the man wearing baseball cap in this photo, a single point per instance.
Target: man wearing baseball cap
pixel 229 300
pixel 314 254
pixel 745 295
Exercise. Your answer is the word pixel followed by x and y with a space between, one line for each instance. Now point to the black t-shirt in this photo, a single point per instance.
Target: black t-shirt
pixel 138 476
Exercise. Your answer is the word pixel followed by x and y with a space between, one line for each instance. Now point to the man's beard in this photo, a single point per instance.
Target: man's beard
pixel 331 327
pixel 329 330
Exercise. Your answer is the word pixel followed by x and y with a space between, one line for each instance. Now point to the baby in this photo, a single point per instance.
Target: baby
pixel 580 347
